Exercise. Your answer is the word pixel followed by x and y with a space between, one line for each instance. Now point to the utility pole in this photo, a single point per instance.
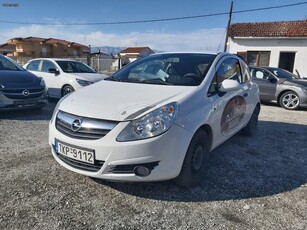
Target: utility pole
pixel 227 31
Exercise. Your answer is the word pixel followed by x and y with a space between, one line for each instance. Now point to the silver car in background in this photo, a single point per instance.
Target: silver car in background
pixel 280 86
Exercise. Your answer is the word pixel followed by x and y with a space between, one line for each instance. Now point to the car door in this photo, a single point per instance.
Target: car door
pixel 267 83
pixel 52 80
pixel 231 110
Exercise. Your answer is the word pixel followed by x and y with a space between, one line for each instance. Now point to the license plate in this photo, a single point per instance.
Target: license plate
pixel 25 102
pixel 76 153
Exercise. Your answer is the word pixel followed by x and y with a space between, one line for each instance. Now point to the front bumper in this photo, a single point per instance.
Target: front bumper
pixel 162 155
pixel 7 104
pixel 303 99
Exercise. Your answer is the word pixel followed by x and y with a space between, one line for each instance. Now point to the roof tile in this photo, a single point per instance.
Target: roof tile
pixel 269 29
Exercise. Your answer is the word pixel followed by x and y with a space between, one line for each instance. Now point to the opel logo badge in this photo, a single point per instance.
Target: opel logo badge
pixel 76 125
pixel 25 93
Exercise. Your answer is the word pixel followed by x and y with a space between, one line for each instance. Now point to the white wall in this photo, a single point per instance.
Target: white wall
pixel 299 46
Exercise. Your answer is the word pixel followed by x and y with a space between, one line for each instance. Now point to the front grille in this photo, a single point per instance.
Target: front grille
pixel 82 165
pixel 18 93
pixel 90 129
pixel 130 168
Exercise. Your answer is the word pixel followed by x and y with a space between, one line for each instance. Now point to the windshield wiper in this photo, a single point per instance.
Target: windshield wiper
pixel 111 79
pixel 156 81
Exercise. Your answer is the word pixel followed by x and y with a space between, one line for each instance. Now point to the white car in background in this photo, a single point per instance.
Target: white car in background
pixel 63 76
pixel 166 113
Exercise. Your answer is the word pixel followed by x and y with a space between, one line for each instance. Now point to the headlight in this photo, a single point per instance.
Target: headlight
pixel 56 108
pixel 42 83
pixel 304 90
pixel 150 125
pixel 83 82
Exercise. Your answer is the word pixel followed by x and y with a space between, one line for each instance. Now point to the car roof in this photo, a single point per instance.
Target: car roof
pixel 55 59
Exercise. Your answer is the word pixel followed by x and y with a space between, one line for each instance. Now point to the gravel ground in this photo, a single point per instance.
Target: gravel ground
pixel 253 183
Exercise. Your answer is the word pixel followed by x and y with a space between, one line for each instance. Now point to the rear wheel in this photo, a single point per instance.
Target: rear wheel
pixel 196 161
pixel 67 89
pixel 289 100
pixel 251 126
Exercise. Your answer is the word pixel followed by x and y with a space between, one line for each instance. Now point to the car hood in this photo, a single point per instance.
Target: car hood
pixel 296 82
pixel 12 79
pixel 93 77
pixel 119 101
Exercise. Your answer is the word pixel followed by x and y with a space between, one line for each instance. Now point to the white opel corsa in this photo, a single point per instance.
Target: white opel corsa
pixel 63 76
pixel 156 119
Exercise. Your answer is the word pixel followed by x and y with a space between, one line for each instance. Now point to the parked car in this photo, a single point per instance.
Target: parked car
pixel 279 85
pixel 20 89
pixel 63 76
pixel 156 119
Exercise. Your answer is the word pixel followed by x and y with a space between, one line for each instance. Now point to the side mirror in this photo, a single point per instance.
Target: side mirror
pixel 229 85
pixel 53 70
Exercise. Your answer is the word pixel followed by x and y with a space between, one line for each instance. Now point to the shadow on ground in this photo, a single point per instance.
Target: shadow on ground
pixel 271 162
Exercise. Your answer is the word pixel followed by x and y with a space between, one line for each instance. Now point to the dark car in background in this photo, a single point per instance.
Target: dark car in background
pixel 20 89
pixel 280 86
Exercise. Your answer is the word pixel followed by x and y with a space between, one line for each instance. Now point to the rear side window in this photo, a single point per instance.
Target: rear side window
pixel 33 65
pixel 260 74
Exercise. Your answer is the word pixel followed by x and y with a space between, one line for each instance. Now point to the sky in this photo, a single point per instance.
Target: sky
pixel 95 22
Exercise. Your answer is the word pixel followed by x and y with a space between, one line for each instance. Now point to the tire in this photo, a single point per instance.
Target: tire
pixel 67 89
pixel 251 126
pixel 196 162
pixel 289 100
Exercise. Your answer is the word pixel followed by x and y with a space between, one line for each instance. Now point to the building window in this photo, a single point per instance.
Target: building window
pixel 256 58
pixel 44 52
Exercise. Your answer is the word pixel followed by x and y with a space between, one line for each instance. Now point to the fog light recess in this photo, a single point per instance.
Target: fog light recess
pixel 141 171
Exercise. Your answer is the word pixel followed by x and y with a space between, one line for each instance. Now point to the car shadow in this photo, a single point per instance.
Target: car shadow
pixel 44 113
pixel 272 104
pixel 271 162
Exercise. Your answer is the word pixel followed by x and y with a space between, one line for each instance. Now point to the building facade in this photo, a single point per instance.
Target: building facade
pixel 34 47
pixel 276 44
pixel 132 53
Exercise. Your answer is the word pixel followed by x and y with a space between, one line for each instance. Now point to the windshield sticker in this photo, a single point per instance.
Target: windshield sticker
pixel 233 114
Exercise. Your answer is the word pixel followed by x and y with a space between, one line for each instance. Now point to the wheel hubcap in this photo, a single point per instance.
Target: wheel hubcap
pixel 67 91
pixel 198 158
pixel 290 101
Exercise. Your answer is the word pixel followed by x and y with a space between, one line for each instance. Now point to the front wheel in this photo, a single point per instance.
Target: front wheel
pixel 289 100
pixel 67 89
pixel 196 161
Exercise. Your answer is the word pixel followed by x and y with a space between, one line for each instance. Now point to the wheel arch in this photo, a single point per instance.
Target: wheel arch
pixel 282 92
pixel 64 87
pixel 258 106
pixel 207 128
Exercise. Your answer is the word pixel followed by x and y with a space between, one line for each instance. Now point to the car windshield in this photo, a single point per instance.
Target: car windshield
pixel 281 73
pixel 74 67
pixel 7 64
pixel 167 69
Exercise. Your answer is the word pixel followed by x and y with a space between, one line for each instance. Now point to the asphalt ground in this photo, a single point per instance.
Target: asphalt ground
pixel 257 182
